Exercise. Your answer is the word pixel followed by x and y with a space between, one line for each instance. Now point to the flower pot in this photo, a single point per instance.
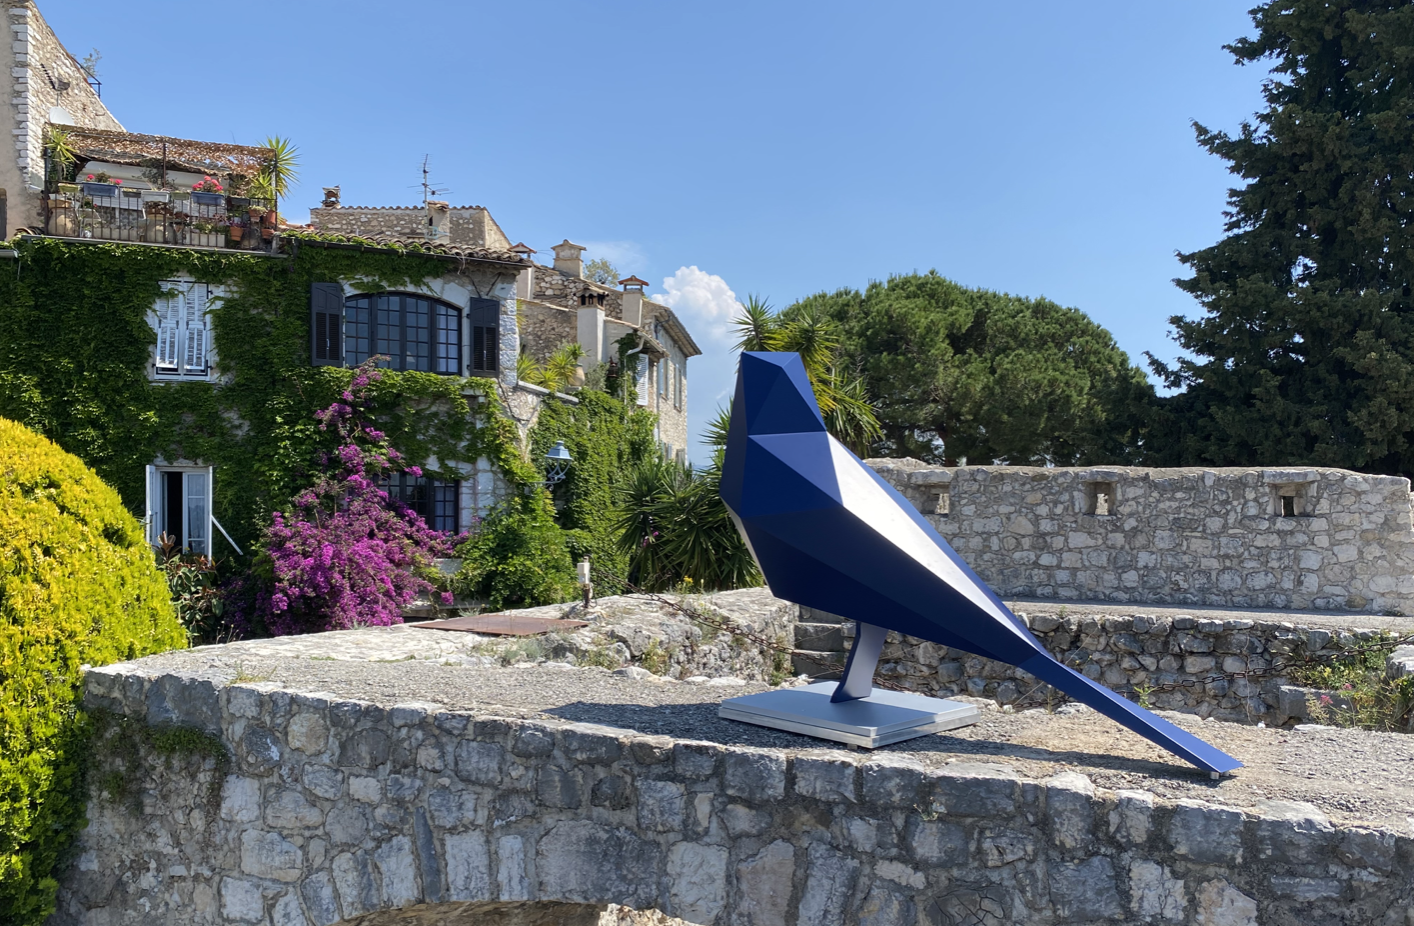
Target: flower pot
pixel 68 188
pixel 267 233
pixel 239 202
pixel 99 189
pixel 180 195
pixel 257 213
pixel 235 233
pixel 207 199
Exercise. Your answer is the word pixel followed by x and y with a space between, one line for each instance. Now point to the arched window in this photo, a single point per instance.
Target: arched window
pixel 414 332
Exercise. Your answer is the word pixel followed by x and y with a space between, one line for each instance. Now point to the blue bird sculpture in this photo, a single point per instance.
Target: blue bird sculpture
pixel 829 533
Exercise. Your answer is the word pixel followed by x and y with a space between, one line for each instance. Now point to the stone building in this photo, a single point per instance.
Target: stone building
pixel 556 304
pixel 559 306
pixel 41 84
pixel 465 226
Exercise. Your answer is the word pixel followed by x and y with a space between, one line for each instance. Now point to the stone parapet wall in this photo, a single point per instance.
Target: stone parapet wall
pixel 1214 537
pixel 336 809
pixel 543 328
pixel 1133 654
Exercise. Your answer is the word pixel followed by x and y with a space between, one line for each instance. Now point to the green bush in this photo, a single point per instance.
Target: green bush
pixel 518 559
pixel 78 584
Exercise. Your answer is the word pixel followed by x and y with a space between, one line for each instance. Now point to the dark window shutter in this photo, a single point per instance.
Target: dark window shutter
pixel 326 324
pixel 484 317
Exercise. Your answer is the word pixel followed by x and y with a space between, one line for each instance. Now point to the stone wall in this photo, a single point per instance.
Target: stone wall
pixel 1324 539
pixel 34 69
pixel 543 328
pixel 1132 654
pixel 469 226
pixel 336 809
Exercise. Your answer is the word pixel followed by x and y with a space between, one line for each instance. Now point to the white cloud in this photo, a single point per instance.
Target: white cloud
pixel 706 305
pixel 704 302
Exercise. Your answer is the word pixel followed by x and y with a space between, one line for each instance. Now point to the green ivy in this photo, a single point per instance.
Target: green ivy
pixel 75 342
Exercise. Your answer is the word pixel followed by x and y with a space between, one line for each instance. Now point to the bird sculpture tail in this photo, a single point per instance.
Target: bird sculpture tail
pixel 1128 714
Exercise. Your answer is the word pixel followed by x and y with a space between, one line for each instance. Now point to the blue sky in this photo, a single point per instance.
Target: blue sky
pixel 720 149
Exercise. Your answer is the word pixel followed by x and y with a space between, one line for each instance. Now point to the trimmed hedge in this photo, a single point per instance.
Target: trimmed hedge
pixel 78 584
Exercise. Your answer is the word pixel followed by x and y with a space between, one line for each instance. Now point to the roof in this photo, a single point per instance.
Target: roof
pixel 413 245
pixel 179 153
pixel 345 208
pixel 634 281
pixel 676 328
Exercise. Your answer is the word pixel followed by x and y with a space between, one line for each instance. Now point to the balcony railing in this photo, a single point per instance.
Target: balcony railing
pixel 109 212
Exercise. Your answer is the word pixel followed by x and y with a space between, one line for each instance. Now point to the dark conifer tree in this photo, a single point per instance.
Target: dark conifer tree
pixel 1306 351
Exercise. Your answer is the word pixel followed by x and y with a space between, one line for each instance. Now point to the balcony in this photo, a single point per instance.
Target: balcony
pixel 111 212
pixel 120 186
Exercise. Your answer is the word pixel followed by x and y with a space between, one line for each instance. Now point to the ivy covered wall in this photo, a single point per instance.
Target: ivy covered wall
pixel 75 346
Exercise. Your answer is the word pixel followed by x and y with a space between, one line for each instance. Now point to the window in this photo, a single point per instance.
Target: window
pixel 663 378
pixel 1290 500
pixel 1100 498
pixel 179 505
pixel 183 330
pixel 413 332
pixel 434 499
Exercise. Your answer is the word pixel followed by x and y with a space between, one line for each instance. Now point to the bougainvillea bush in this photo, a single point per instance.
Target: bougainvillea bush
pixel 343 554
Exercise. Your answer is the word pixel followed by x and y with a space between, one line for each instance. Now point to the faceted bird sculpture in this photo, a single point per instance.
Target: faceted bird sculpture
pixel 829 533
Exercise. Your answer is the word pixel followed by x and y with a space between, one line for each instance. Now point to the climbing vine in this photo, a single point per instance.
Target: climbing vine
pixel 75 344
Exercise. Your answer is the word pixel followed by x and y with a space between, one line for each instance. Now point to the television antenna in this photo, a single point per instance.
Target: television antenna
pixel 430 191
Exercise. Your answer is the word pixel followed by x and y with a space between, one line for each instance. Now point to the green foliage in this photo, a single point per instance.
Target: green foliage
pixel 60 150
pixel 75 343
pixel 192 583
pixel 602 272
pixel 281 167
pixel 518 558
pixel 557 373
pixel 77 585
pixel 959 373
pixel 608 438
pixel 1306 352
pixel 843 399
pixel 676 533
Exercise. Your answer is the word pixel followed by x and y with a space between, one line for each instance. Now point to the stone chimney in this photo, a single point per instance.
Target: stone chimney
pixel 331 197
pixel 525 280
pixel 437 225
pixel 569 259
pixel 633 300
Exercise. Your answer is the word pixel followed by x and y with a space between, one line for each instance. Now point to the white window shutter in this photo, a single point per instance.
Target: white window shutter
pixel 641 386
pixel 197 489
pixel 194 325
pixel 152 521
pixel 169 321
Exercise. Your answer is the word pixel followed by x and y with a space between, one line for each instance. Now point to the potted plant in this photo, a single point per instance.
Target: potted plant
pixel 180 195
pixel 208 192
pixel 100 183
pixel 235 233
pixel 68 188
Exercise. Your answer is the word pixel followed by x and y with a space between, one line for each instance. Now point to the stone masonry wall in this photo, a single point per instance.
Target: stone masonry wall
pixel 469 226
pixel 34 65
pixel 1183 536
pixel 1131 654
pixel 543 328
pixel 337 809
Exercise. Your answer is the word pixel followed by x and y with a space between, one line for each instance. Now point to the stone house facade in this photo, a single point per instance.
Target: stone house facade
pixel 559 306
pixel 556 304
pixel 40 83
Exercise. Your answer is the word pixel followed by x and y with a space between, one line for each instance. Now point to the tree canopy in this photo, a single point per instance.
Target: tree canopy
pixel 958 373
pixel 1306 351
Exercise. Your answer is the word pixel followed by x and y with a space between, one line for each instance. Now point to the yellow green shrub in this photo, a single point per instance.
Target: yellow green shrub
pixel 78 584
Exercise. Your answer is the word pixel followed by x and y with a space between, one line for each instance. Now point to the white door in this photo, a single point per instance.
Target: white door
pixel 190 488
pixel 152 521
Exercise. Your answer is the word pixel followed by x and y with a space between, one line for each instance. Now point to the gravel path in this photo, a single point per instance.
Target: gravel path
pixel 1354 776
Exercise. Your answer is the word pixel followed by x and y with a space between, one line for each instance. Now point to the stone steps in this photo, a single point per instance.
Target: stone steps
pixel 819 637
pixel 812 662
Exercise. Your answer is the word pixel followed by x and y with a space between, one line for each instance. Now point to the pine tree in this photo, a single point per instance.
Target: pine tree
pixel 1306 352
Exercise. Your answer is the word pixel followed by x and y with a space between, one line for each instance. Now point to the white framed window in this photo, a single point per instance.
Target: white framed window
pixel 183 328
pixel 179 505
pixel 663 378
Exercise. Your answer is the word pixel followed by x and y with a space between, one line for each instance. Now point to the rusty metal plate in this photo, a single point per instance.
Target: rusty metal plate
pixel 502 625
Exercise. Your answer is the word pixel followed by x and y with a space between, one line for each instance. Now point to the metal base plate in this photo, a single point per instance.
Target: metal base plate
pixel 882 718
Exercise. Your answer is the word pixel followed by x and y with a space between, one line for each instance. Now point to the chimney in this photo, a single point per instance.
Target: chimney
pixel 331 197
pixel 568 258
pixel 525 280
pixel 633 300
pixel 436 227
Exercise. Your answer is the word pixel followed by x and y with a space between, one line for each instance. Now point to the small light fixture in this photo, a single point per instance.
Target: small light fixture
pixel 557 463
